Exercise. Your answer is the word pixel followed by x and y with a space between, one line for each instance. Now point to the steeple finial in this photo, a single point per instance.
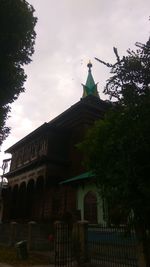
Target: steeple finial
pixel 89 65
pixel 90 88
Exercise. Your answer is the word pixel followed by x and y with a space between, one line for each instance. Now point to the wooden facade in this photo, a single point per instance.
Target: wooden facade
pixel 45 158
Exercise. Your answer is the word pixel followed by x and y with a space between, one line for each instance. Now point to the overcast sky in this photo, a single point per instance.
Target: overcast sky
pixel 69 33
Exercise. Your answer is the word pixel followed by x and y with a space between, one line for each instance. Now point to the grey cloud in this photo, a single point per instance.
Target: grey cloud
pixel 69 33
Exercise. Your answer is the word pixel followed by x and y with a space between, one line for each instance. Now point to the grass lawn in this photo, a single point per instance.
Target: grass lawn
pixel 9 255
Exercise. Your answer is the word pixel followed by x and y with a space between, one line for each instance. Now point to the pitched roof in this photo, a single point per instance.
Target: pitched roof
pixel 67 117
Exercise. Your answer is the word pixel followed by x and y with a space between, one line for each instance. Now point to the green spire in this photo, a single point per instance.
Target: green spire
pixel 90 88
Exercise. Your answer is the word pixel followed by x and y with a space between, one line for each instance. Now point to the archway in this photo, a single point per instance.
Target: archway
pixel 14 203
pixel 90 207
pixel 22 201
pixel 29 200
pixel 7 203
pixel 38 209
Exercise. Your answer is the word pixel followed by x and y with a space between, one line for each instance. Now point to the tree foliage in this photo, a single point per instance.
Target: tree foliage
pixel 117 148
pixel 17 38
pixel 131 75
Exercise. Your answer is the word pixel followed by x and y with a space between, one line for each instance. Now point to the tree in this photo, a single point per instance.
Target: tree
pixel 117 148
pixel 17 39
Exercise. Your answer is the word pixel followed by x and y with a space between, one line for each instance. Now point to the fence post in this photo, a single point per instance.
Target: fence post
pixel 30 233
pixel 141 257
pixel 80 240
pixel 13 230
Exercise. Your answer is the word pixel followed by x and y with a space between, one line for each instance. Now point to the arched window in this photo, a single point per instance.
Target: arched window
pixel 90 207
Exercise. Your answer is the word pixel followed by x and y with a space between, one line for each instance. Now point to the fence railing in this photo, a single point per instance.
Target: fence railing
pixel 112 246
pixel 63 245
pixel 98 246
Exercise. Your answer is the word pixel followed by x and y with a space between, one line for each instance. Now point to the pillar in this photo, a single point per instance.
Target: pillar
pixel 80 241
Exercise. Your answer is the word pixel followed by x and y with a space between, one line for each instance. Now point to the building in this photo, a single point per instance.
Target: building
pixel 47 180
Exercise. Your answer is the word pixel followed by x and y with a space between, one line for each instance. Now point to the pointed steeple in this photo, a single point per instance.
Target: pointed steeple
pixel 90 88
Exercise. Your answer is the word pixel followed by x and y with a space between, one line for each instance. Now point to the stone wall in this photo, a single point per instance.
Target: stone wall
pixel 35 234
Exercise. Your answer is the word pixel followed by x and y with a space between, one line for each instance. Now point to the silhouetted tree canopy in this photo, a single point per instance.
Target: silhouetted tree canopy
pixel 17 38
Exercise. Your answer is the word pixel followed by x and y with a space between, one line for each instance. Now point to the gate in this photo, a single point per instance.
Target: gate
pixel 112 247
pixel 63 245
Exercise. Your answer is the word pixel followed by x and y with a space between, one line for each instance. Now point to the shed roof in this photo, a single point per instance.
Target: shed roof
pixel 79 177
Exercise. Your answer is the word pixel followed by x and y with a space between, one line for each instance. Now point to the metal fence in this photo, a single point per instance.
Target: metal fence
pixel 112 246
pixel 63 245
